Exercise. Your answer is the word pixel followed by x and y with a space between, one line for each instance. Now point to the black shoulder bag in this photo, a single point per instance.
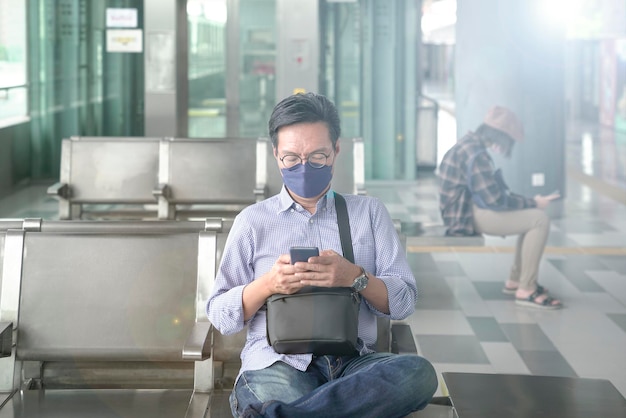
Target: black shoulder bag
pixel 318 320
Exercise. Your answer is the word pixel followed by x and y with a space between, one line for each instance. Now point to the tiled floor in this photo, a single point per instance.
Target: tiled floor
pixel 463 322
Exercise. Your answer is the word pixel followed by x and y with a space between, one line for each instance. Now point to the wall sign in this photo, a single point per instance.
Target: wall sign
pixel 121 18
pixel 124 40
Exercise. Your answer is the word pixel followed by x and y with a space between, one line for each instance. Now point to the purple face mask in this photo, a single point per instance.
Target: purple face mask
pixel 306 181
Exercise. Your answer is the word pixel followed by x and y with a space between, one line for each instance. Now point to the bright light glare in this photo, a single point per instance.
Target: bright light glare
pixel 587 153
pixel 211 10
pixel 215 11
pixel 438 15
pixel 566 13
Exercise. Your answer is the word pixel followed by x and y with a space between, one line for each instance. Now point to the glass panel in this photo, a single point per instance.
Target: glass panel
pixel 12 59
pixel 207 68
pixel 76 86
pixel 257 87
pixel 342 63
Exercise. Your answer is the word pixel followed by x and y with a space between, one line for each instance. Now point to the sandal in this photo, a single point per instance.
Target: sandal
pixel 531 302
pixel 512 290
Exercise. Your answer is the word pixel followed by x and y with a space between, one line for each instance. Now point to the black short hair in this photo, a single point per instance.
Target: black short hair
pixel 496 136
pixel 304 108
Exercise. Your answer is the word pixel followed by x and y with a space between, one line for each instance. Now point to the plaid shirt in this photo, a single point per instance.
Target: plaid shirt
pixel 468 176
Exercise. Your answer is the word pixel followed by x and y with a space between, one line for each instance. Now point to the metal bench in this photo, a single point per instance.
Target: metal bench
pixel 107 177
pixel 207 177
pixel 108 318
pixel 90 293
pixel 480 395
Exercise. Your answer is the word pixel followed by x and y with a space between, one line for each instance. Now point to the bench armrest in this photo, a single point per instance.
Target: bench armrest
pixel 6 338
pixel 260 192
pixel 402 341
pixel 198 344
pixel 161 190
pixel 59 189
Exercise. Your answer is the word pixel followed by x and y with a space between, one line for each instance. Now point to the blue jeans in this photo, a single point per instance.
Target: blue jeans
pixel 373 385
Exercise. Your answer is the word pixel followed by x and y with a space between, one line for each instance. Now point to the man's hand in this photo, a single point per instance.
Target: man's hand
pixel 328 270
pixel 282 278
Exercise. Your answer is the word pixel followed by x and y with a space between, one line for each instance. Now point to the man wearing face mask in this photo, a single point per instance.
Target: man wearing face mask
pixel 474 199
pixel 304 129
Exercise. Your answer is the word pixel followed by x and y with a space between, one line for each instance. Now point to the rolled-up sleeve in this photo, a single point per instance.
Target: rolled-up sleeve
pixel 225 307
pixel 391 266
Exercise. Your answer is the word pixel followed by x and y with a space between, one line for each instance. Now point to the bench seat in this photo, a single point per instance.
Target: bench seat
pixel 108 318
pixel 109 403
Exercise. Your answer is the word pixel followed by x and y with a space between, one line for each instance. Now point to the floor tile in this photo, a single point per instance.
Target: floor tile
pixel 492 291
pixel 467 297
pixel 465 349
pixel 575 273
pixel 604 302
pixel 486 267
pixel 439 322
pixel 607 239
pixel 487 329
pixel 619 319
pixel 547 363
pixel 527 337
pixel 508 312
pixel 433 292
pixel 570 225
pixel 505 358
pixel 612 282
pixel 614 263
pixel 450 268
pixel 422 263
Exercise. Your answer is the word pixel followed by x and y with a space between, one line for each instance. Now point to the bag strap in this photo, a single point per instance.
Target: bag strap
pixel 344 227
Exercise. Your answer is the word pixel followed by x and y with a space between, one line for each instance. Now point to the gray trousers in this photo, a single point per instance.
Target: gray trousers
pixel 532 226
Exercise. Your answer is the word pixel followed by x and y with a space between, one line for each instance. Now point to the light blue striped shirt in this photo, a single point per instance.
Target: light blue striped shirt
pixel 265 230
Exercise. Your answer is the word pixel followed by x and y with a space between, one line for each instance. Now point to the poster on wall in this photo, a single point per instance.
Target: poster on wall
pixel 121 18
pixel 160 62
pixel 124 40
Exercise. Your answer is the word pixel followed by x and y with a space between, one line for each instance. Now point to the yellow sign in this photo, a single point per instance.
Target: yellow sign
pixel 299 90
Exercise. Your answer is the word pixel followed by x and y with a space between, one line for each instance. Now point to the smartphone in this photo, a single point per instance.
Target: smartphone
pixel 302 253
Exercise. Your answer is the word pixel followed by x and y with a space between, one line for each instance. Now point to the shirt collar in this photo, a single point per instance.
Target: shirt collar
pixel 285 201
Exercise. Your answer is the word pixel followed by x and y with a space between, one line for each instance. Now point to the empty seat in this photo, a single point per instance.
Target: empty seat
pixel 107 177
pixel 109 317
pixel 207 177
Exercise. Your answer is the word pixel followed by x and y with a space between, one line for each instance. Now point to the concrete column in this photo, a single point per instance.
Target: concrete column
pixel 511 53
pixel 298 46
pixel 166 68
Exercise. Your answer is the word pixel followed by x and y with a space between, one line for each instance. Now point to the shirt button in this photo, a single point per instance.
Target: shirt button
pixel 310 221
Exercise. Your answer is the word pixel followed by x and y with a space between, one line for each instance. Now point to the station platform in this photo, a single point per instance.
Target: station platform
pixel 463 322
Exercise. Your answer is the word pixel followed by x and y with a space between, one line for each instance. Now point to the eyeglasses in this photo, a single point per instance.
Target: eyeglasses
pixel 315 160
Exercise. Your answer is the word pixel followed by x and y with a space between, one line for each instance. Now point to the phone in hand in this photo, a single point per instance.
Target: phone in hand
pixel 302 253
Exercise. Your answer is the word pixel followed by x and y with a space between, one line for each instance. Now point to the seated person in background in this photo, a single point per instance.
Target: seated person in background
pixel 474 199
pixel 304 129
